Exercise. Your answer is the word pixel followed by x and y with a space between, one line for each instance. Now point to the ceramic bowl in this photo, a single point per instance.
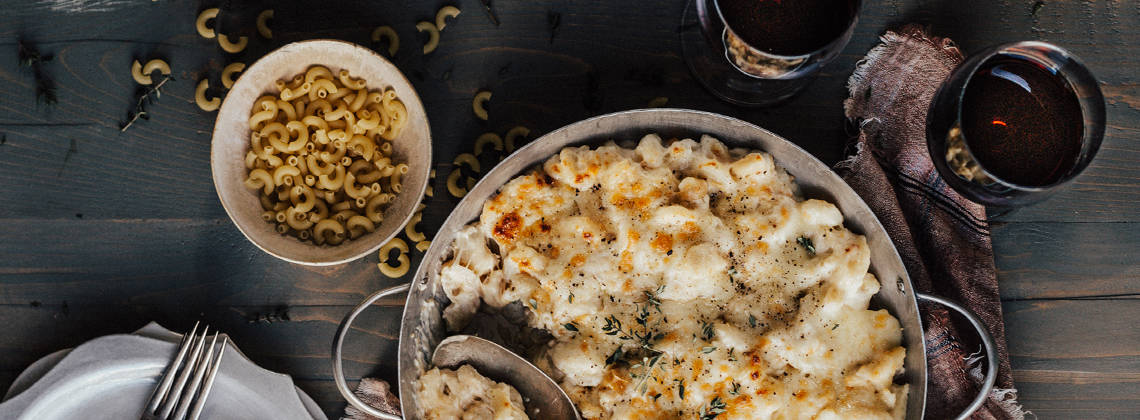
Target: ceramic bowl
pixel 231 141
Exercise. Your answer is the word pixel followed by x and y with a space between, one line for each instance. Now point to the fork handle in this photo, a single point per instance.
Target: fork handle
pixel 338 361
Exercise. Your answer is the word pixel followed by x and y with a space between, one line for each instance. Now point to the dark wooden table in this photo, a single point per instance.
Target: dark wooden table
pixel 102 231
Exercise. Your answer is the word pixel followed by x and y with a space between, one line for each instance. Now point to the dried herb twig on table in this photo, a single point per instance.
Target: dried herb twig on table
pixel 148 96
pixel 553 19
pixel 31 57
pixel 490 12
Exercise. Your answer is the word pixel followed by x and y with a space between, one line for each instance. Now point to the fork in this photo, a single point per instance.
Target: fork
pixel 195 362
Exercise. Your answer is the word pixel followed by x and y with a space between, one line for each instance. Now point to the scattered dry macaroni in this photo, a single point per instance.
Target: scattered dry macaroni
pixel 390 34
pixel 204 17
pixel 410 229
pixel 477 104
pixel 513 134
pixel 230 46
pixel 207 105
pixel 321 155
pixel 228 73
pixel 453 184
pixel 141 73
pixel 444 13
pixel 403 261
pixel 467 159
pixel 677 277
pixel 263 25
pixel 433 35
pixel 488 138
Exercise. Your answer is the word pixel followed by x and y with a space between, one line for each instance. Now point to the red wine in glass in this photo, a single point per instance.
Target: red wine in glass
pixel 1022 122
pixel 787 27
pixel 1014 123
pixel 761 52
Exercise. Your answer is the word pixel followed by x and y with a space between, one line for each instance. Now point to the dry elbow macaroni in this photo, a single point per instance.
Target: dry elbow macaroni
pixel 433 35
pixel 478 104
pixel 320 150
pixel 230 46
pixel 206 16
pixel 390 34
pixel 403 261
pixel 444 13
pixel 513 134
pixel 207 105
pixel 141 73
pixel 488 138
pixel 228 73
pixel 262 23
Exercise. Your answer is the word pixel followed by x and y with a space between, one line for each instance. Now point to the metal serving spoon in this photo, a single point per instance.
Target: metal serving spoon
pixel 543 398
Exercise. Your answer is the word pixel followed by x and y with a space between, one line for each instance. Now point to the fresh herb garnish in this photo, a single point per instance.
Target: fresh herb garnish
pixel 571 298
pixel 752 320
pixel 834 327
pixel 533 303
pixel 708 349
pixel 653 298
pixel 707 331
pixel 570 326
pixel 714 409
pixel 148 95
pixel 680 388
pixel 735 388
pixel 615 356
pixel 805 242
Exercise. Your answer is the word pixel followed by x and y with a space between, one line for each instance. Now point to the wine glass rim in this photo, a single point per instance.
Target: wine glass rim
pixel 1006 50
pixel 853 21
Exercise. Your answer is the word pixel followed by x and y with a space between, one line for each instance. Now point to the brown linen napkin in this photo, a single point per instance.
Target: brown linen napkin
pixel 376 393
pixel 943 238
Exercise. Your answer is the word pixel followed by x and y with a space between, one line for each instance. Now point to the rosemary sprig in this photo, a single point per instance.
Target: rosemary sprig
pixel 149 96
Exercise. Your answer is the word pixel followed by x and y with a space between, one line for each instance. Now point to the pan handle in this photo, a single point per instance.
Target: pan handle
pixel 338 342
pixel 987 342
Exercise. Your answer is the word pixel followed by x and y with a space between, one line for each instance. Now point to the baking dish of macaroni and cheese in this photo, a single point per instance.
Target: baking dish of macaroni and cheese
pixel 677 264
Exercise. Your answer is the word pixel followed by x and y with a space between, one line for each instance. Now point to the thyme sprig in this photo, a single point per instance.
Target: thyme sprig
pixel 149 95
pixel 806 242
pixel 713 409
pixel 490 11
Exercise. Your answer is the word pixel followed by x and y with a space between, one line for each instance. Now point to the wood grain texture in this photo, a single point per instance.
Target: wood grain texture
pixel 104 231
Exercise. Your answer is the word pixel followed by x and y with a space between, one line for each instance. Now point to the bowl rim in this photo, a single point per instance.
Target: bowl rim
pixel 403 219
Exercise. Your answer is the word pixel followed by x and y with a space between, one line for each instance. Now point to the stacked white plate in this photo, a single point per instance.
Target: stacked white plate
pixel 112 377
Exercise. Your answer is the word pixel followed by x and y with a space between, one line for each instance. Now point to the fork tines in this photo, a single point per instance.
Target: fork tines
pixel 181 392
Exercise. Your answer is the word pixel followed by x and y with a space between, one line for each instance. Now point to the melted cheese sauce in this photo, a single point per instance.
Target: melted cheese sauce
pixel 465 394
pixel 681 280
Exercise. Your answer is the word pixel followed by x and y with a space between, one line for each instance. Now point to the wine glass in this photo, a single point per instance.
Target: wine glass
pixel 758 58
pixel 972 127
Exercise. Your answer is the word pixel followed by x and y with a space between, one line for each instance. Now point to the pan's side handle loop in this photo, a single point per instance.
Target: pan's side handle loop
pixel 987 342
pixel 338 343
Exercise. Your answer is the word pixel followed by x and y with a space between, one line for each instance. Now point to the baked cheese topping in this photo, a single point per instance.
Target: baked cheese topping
pixel 465 394
pixel 684 280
